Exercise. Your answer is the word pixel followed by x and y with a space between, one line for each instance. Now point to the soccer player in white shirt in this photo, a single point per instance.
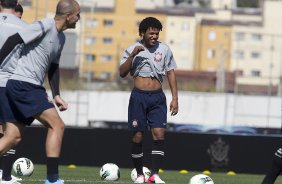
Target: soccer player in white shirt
pixel 9 24
pixel 148 60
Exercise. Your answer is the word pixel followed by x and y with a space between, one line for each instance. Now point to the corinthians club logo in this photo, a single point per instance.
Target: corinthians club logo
pixel 135 123
pixel 158 56
pixel 218 152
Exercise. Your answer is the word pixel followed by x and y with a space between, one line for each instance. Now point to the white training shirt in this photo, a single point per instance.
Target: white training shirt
pixel 37 56
pixel 9 25
pixel 152 62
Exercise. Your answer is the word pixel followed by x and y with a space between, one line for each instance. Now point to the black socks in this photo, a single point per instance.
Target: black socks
pixel 137 157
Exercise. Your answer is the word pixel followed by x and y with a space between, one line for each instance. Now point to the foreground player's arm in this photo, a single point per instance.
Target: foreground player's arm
pixel 54 81
pixel 125 67
pixel 9 45
pixel 173 87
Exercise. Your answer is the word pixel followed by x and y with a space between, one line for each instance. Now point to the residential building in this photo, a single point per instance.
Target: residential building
pixel 257 48
pixel 213 46
pixel 107 33
pixel 180 36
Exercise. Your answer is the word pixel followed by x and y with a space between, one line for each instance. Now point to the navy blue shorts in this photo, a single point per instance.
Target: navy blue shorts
pixel 28 99
pixel 6 114
pixel 147 108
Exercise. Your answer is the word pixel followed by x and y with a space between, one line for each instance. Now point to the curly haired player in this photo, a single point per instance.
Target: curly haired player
pixel 148 60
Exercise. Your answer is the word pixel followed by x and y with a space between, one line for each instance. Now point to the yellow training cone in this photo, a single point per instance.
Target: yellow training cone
pixel 72 166
pixel 207 172
pixel 183 171
pixel 230 173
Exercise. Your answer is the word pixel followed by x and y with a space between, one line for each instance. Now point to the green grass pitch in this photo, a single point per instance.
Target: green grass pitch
pixel 90 175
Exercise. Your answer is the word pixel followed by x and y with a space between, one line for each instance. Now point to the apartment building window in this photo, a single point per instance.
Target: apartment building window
pixel 239 54
pixel 239 36
pixel 90 57
pixel 107 40
pixel 255 73
pixel 90 40
pixel 211 53
pixel 106 58
pixel 108 23
pixel 255 55
pixel 212 35
pixel 256 37
pixel 91 23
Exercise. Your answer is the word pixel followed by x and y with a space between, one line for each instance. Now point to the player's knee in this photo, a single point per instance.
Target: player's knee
pixel 62 125
pixel 17 140
pixel 158 136
pixel 58 125
pixel 137 137
pixel 158 133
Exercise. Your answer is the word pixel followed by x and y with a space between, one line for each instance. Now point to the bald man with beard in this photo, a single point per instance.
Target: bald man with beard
pixel 27 57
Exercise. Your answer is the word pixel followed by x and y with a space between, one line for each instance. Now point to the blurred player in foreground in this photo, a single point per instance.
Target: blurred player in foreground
pixel 148 60
pixel 275 168
pixel 25 90
pixel 9 24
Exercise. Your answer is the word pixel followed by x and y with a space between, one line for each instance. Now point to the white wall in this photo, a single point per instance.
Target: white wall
pixel 194 108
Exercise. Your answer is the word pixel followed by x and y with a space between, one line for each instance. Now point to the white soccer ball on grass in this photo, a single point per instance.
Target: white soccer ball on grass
pixel 146 172
pixel 23 167
pixel 201 179
pixel 110 172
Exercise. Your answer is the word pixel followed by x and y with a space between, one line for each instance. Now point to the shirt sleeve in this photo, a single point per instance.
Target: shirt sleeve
pixel 35 30
pixel 170 63
pixel 62 43
pixel 125 55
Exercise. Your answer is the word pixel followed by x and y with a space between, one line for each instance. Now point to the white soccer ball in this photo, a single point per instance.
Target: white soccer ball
pixel 146 172
pixel 23 167
pixel 201 179
pixel 110 172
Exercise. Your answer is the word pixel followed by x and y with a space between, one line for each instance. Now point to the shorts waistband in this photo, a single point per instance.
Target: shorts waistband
pixel 147 92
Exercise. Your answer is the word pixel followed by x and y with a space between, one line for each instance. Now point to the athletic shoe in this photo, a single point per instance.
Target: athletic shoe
pixel 16 178
pixel 12 181
pixel 155 179
pixel 140 179
pixel 59 181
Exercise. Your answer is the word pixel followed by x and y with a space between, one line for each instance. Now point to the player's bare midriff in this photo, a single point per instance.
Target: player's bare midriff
pixel 147 83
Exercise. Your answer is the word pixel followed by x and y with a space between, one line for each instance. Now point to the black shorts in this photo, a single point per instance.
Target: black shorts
pixel 6 114
pixel 147 108
pixel 27 99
